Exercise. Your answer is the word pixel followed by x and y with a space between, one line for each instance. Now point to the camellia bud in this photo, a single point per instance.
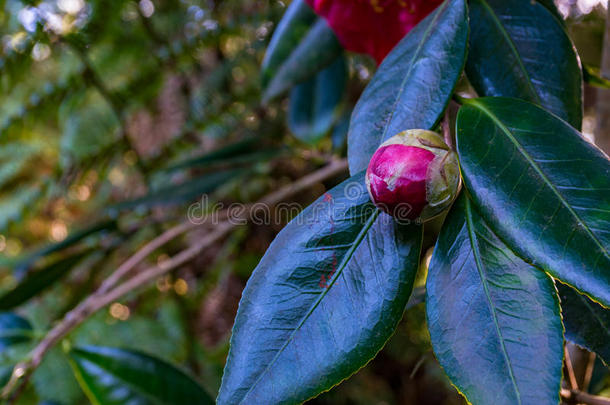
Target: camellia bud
pixel 413 175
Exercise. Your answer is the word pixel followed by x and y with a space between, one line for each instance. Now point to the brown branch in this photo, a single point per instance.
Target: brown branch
pixel 570 369
pixel 109 292
pixel 578 397
pixel 588 371
pixel 154 272
pixel 446 126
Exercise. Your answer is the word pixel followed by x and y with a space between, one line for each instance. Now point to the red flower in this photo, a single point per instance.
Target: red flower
pixel 413 175
pixel 397 175
pixel 372 26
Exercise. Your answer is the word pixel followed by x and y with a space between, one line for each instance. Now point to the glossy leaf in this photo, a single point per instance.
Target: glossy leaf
pixel 518 48
pixel 293 26
pixel 586 323
pixel 180 193
pixel 413 84
pixel 550 5
pixel 322 302
pixel 117 376
pixel 13 330
pixel 314 103
pixel 542 187
pixel 494 321
pixel 38 281
pixel 317 49
pixel 339 134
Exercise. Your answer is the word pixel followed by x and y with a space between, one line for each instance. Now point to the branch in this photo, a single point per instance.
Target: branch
pixel 571 375
pixel 446 126
pixel 578 397
pixel 588 371
pixel 109 291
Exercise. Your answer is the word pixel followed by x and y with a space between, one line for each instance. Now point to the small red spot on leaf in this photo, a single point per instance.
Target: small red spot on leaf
pixel 322 283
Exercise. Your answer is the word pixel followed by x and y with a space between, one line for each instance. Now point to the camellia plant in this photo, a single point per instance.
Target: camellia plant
pixel 521 262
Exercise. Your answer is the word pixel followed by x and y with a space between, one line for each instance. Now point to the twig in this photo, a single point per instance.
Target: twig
pixel 571 375
pixel 154 272
pixel 446 125
pixel 108 293
pixel 143 253
pixel 588 371
pixel 459 99
pixel 579 397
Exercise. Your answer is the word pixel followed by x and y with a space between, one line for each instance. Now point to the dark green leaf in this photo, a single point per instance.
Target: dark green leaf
pixel 231 151
pixel 413 84
pixel 293 26
pixel 5 374
pixel 314 103
pixel 181 193
pixel 38 281
pixel 542 187
pixel 550 5
pixel 494 321
pixel 322 302
pixel 519 49
pixel 54 379
pixel 13 330
pixel 117 376
pixel 318 48
pixel 587 323
pixel 238 160
pixel 339 134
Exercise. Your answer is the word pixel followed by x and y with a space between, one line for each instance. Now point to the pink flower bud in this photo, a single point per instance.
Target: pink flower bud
pixel 372 26
pixel 413 175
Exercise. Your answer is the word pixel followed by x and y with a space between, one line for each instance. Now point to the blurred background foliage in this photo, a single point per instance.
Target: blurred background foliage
pixel 114 118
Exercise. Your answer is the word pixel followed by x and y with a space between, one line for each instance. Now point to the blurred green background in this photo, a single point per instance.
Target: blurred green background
pixel 110 113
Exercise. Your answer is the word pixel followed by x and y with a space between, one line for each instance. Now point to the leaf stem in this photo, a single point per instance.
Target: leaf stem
pixel 459 99
pixel 446 126
pixel 579 397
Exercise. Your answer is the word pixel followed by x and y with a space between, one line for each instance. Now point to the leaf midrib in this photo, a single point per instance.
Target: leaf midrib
pixel 513 48
pixel 538 170
pixel 338 272
pixel 477 257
